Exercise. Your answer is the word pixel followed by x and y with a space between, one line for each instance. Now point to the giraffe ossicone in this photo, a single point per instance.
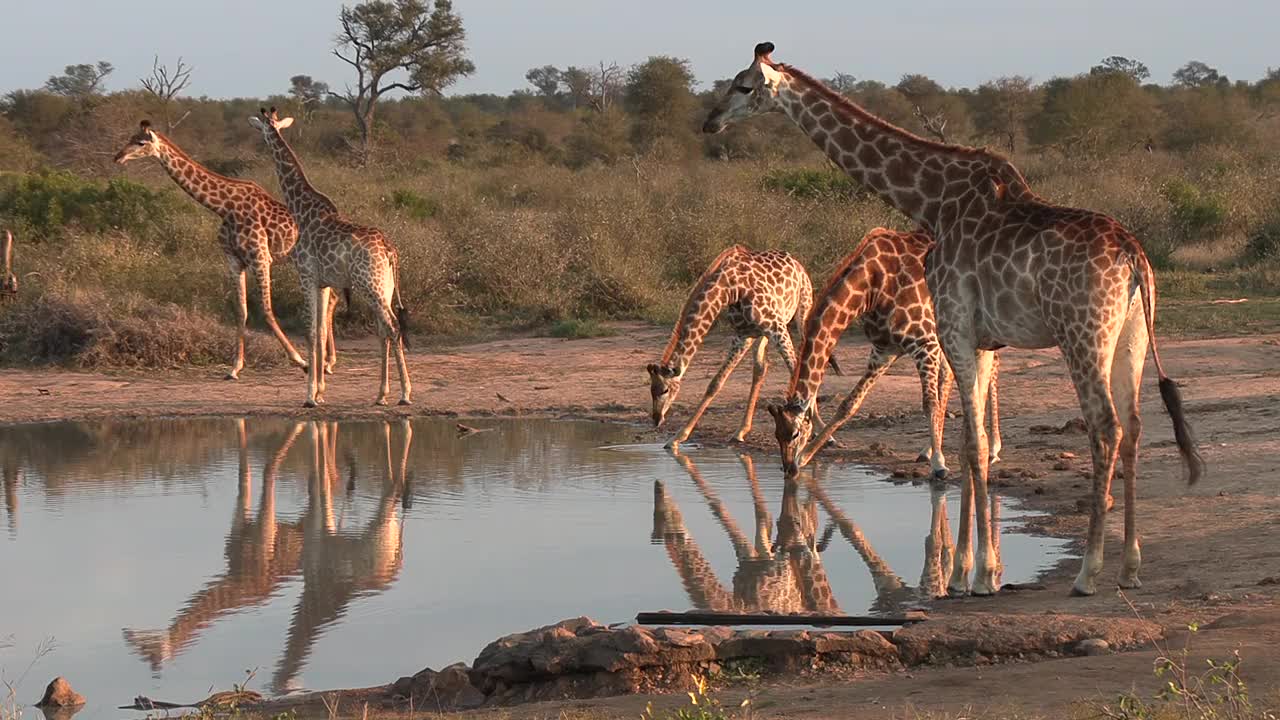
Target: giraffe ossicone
pixel 1008 269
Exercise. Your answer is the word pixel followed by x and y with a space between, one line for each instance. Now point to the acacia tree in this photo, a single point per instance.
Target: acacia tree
pixel 409 45
pixel 659 96
pixel 1123 65
pixel 1198 74
pixel 307 92
pixel 1003 106
pixel 82 83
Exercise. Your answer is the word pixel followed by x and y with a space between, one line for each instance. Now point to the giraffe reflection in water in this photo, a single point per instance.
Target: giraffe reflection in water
pixel 780 567
pixel 263 553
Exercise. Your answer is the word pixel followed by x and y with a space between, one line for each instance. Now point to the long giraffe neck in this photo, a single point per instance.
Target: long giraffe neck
pixel 704 305
pixel 932 183
pixel 843 300
pixel 301 197
pixel 198 181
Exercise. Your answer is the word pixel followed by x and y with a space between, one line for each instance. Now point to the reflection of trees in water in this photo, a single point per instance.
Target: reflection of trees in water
pixel 264 552
pixel 794 580
pixel 529 454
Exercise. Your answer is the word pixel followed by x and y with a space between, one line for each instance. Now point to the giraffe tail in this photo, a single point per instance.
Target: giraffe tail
pixel 1169 392
pixel 835 365
pixel 346 301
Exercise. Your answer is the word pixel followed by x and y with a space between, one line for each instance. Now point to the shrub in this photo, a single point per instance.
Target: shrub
pixel 1264 242
pixel 1194 210
pixel 46 203
pixel 414 205
pixel 813 184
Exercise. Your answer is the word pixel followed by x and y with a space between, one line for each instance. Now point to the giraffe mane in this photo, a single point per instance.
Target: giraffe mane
pixel 703 281
pixel 844 103
pixel 302 173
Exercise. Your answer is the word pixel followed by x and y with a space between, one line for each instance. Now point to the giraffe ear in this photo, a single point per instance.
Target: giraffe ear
pixel 652 368
pixel 286 122
pixel 763 51
pixel 254 121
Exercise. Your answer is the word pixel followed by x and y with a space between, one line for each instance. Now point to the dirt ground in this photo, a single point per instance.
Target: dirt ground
pixel 1209 552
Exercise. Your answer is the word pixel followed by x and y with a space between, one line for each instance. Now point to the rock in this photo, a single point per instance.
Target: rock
pixel 1093 646
pixel 60 695
pixel 1007 637
pixel 901 473
pixel 447 690
pixel 1062 465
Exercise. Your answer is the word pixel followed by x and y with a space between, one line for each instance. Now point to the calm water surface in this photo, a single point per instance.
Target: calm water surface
pixel 166 557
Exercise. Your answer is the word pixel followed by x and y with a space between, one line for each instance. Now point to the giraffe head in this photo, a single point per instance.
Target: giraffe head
pixel 269 123
pixel 751 92
pixel 792 427
pixel 144 143
pixel 664 385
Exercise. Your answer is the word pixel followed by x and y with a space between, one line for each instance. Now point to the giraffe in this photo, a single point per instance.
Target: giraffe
pixel 334 252
pixel 8 280
pixel 1008 269
pixel 762 293
pixel 881 283
pixel 256 231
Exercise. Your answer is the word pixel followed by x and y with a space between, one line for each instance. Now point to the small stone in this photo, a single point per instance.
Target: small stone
pixel 1093 646
pixel 1062 465
pixel 919 473
pixel 900 473
pixel 1039 490
pixel 1065 455
pixel 59 694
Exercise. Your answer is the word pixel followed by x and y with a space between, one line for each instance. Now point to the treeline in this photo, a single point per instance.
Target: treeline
pixel 579 116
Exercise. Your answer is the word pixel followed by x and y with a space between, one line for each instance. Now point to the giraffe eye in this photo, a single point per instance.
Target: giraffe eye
pixel 742 89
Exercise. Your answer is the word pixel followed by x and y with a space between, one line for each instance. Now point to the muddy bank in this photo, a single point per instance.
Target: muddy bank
pixel 1209 551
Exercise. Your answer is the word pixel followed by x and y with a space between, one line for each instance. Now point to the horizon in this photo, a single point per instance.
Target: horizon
pixel 717 47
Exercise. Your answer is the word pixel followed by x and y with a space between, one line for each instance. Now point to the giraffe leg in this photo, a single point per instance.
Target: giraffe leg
pixel 1126 383
pixel 392 341
pixel 930 365
pixel 331 350
pixel 985 575
pixel 758 372
pixel 993 411
pixel 262 269
pixel 318 300
pixel 326 324
pixel 880 361
pixel 1090 371
pixel 385 387
pixel 242 320
pixel 736 352
pixel 964 363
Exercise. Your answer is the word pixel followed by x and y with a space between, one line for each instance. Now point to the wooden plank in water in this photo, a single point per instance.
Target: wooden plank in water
pixel 717 618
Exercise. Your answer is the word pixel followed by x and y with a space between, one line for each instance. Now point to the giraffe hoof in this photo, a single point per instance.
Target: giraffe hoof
pixel 232 376
pixel 1130 583
pixel 672 445
pixel 940 474
pixel 380 401
pixel 405 401
pixel 310 404
pixel 922 457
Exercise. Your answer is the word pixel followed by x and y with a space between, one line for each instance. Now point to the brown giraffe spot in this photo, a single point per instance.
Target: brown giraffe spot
pixel 869 156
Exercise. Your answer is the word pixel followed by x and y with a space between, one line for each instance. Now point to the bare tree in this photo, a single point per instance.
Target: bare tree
pixel 164 85
pixel 307 92
pixel 935 125
pixel 421 41
pixel 606 85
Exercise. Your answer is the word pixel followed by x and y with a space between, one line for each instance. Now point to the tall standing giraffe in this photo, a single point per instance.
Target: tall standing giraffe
pixel 1008 269
pixel 256 230
pixel 334 252
pixel 762 294
pixel 882 284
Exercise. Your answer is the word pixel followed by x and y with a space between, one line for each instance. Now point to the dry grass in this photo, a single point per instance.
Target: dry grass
pixel 528 244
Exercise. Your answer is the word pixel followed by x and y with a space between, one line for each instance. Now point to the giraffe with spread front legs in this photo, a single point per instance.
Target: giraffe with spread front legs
pixel 1008 269
pixel 335 253
pixel 762 294
pixel 256 231
pixel 882 284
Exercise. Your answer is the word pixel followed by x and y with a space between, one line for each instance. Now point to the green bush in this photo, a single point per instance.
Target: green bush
pixel 1264 242
pixel 414 205
pixel 813 184
pixel 45 204
pixel 579 328
pixel 1194 210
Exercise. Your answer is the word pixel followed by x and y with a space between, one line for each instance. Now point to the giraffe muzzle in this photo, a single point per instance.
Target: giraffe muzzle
pixel 712 126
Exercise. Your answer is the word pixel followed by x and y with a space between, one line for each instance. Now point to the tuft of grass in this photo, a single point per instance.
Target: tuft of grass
pixel 579 328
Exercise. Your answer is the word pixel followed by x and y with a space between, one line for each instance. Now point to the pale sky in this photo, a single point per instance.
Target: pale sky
pixel 250 48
